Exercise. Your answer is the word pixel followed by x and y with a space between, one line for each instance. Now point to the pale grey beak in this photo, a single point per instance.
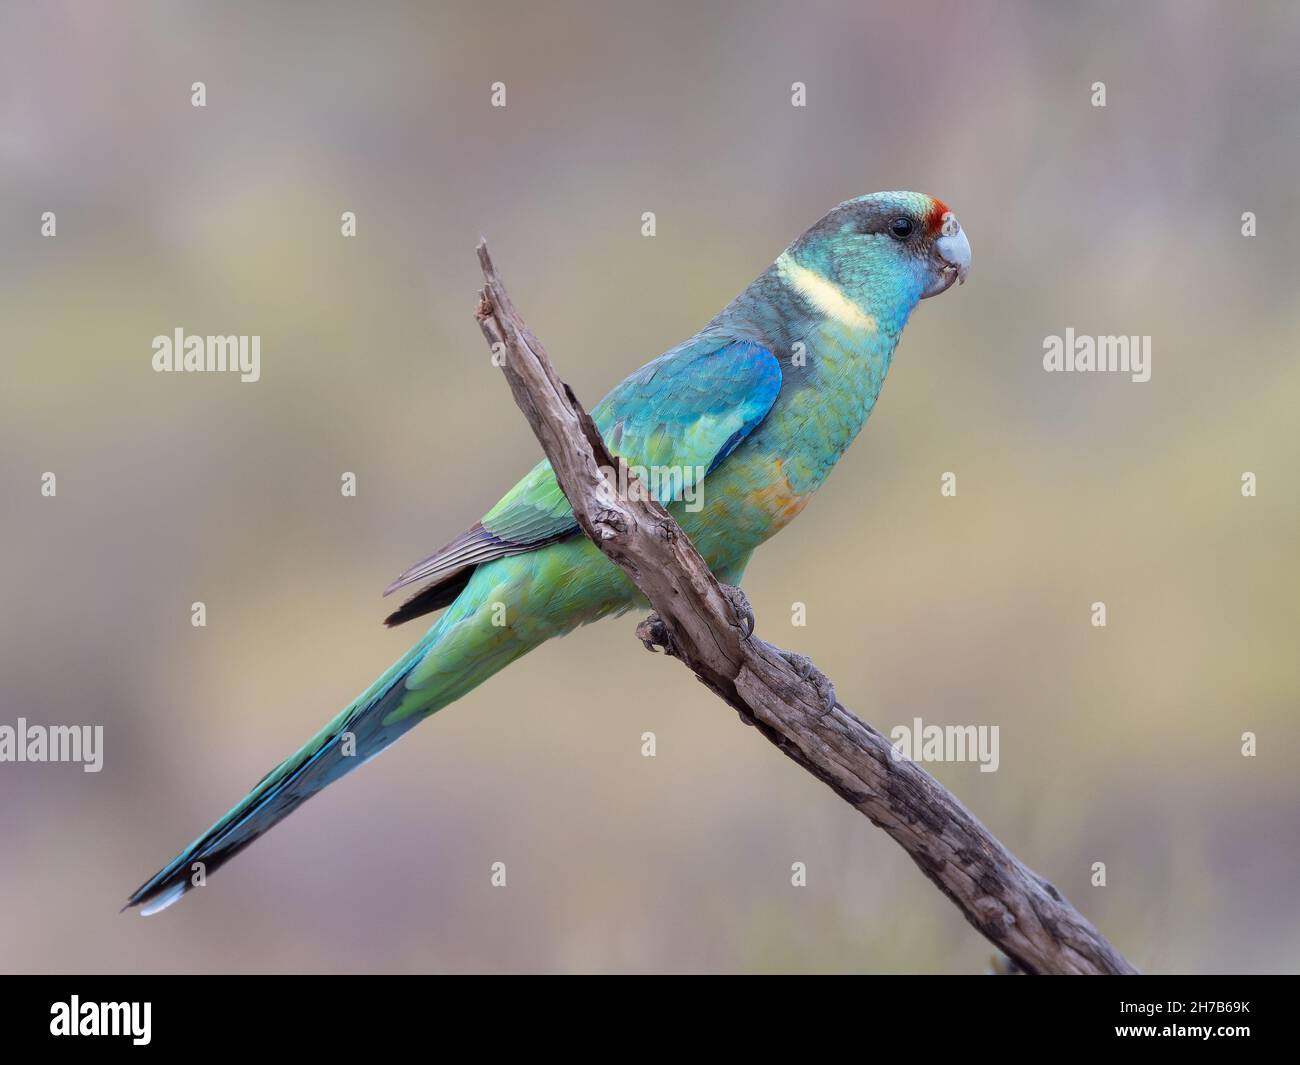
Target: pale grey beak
pixel 953 250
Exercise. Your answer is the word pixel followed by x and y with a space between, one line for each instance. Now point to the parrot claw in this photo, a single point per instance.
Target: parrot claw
pixel 803 666
pixel 653 633
pixel 740 607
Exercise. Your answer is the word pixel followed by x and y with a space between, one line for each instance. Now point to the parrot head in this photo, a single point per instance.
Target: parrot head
pixel 882 253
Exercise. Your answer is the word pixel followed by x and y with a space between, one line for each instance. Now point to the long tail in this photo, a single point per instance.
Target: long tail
pixel 465 646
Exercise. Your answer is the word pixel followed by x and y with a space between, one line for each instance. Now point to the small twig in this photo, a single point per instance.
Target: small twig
pixel 1018 911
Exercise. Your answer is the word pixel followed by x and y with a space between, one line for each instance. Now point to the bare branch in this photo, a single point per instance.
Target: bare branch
pixel 702 623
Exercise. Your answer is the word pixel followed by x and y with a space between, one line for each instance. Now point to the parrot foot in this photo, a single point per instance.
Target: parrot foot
pixel 654 633
pixel 739 603
pixel 803 665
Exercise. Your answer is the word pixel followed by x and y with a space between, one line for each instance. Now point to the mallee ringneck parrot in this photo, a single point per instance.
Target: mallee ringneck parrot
pixel 764 399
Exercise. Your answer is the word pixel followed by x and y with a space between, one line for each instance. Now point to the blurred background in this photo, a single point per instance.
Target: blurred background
pixel 1119 745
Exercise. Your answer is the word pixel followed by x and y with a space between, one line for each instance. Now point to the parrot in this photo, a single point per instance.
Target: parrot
pixel 756 408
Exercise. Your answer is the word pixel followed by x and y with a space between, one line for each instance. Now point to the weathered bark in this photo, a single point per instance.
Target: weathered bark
pixel 702 623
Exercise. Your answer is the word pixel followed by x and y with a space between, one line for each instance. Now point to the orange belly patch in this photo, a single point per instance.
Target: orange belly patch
pixel 779 499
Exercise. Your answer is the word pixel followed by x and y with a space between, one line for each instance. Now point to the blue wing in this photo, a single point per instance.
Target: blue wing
pixel 685 412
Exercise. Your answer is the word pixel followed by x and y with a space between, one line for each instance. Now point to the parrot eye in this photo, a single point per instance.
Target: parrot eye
pixel 901 228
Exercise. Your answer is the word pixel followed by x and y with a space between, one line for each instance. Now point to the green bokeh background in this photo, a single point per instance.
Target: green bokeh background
pixel 1119 745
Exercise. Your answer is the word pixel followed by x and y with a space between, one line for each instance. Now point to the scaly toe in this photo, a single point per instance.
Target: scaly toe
pixel 740 607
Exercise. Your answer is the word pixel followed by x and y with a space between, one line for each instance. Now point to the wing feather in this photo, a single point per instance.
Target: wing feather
pixel 687 410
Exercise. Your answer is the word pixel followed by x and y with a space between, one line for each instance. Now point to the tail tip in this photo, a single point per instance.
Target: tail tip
pixel 151 902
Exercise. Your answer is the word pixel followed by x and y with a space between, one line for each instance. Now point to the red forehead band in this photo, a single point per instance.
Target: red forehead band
pixel 934 220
